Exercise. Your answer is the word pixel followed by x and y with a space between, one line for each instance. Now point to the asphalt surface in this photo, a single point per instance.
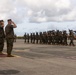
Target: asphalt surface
pixel 36 59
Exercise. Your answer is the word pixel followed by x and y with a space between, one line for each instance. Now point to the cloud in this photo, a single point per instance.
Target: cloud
pixel 10 9
pixel 49 10
pixel 38 11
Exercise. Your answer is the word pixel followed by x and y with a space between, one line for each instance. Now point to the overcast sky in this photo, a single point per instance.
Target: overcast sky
pixel 39 15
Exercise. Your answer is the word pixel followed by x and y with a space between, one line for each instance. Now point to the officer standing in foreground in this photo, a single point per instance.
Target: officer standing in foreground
pixel 10 36
pixel 2 36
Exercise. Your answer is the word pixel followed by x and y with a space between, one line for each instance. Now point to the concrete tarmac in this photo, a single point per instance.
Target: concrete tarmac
pixel 36 59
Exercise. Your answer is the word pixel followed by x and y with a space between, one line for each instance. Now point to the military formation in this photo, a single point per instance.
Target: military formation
pixel 8 34
pixel 51 37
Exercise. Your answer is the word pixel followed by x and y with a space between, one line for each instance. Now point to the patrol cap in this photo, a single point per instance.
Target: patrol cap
pixel 1 21
pixel 9 20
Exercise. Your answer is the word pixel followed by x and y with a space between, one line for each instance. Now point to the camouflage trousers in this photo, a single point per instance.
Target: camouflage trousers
pixel 71 42
pixel 1 44
pixel 9 45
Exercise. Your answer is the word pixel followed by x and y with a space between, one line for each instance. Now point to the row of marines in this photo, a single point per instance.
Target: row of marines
pixel 51 37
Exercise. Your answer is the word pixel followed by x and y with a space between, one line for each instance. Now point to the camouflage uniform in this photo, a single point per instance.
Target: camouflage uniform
pixel 50 37
pixel 31 37
pixel 60 38
pixel 53 37
pixel 57 37
pixel 25 37
pixel 28 38
pixel 40 37
pixel 9 38
pixel 46 37
pixel 37 37
pixel 15 38
pixel 43 38
pixel 65 38
pixel 71 37
pixel 1 38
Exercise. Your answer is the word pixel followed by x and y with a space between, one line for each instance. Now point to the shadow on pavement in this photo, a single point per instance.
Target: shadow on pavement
pixel 8 72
